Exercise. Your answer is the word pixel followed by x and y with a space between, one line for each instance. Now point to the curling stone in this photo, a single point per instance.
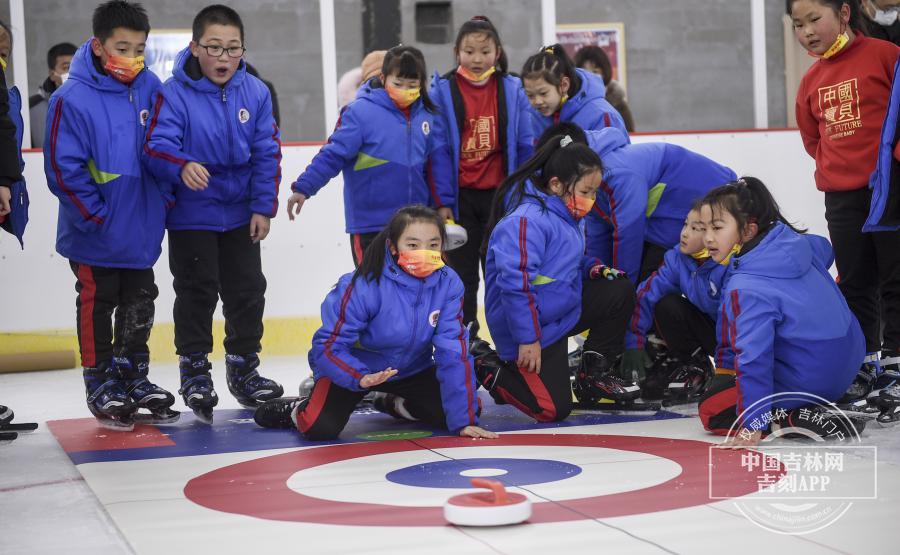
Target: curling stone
pixel 496 507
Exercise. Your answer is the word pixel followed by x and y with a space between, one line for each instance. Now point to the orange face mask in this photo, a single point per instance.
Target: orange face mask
pixel 420 263
pixel 403 98
pixel 124 69
pixel 579 206
pixel 475 78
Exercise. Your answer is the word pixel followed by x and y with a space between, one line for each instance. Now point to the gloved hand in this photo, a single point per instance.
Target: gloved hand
pixel 605 272
pixel 634 365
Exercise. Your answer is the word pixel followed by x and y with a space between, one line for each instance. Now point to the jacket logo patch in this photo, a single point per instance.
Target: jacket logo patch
pixel 145 115
pixel 433 318
pixel 244 115
pixel 426 128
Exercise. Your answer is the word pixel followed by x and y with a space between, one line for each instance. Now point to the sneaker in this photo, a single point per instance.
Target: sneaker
pixel 278 413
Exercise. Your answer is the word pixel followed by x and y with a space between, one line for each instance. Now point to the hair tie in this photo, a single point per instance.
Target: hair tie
pixel 479 18
pixel 565 141
pixel 549 50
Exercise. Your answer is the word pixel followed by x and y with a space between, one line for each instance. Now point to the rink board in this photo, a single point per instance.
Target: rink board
pixel 630 483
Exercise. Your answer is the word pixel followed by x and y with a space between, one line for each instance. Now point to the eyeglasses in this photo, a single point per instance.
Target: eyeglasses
pixel 215 50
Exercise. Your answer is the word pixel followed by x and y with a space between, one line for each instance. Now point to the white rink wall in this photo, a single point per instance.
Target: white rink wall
pixel 304 258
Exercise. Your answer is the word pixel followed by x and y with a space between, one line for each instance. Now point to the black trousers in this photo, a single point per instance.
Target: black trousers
pixel 329 406
pixel 359 242
pixel 606 307
pixel 868 267
pixel 103 291
pixel 474 215
pixel 651 259
pixel 684 327
pixel 207 265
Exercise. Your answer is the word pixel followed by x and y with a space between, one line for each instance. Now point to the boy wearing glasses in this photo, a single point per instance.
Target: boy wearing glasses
pixel 111 214
pixel 213 146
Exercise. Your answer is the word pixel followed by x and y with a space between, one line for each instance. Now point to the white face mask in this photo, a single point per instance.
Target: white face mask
pixel 63 77
pixel 886 17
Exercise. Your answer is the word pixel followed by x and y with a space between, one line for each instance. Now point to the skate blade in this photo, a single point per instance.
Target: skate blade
pixel 887 423
pixel 7 437
pixel 116 425
pixel 157 418
pixel 204 415
pixel 19 427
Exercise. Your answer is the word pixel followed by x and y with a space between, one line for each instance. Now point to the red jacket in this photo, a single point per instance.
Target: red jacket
pixel 841 106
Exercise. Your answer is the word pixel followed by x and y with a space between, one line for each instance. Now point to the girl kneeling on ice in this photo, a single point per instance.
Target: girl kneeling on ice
pixel 394 326
pixel 783 325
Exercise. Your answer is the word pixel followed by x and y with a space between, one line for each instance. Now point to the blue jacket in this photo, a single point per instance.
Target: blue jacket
pixel 386 159
pixel 110 210
pixel 884 212
pixel 400 322
pixel 700 281
pixel 535 266
pixel 514 126
pixel 17 219
pixel 646 193
pixel 231 131
pixel 784 325
pixel 588 109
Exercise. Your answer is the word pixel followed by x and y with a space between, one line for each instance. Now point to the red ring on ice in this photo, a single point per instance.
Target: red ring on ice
pixel 258 488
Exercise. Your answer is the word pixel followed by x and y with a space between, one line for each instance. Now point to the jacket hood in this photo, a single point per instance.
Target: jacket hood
pixel 553 203
pixel 783 253
pixel 85 70
pixel 187 71
pixel 603 141
pixel 592 88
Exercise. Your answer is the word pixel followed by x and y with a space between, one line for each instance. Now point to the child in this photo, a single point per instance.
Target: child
pixel 111 214
pixel 559 92
pixel 393 326
pixel 593 59
pixel 484 114
pixel 783 326
pixel 384 143
pixel 646 192
pixel 212 111
pixel 13 195
pixel 542 289
pixel 841 104
pixel 680 300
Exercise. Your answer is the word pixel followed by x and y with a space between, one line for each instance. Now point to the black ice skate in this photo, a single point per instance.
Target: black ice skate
pixel 107 399
pixel 10 430
pixel 248 387
pixel 197 386
pixel 596 387
pixel 889 406
pixel 689 380
pixel 278 413
pixel 146 395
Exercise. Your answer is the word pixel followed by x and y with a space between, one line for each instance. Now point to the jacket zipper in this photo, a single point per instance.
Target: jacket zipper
pixel 415 313
pixel 230 149
pixel 409 183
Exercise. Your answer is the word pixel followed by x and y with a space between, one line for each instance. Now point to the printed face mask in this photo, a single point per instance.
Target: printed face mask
pixel 475 78
pixel 420 263
pixel 403 98
pixel 579 206
pixel 736 249
pixel 839 43
pixel 123 68
pixel 701 254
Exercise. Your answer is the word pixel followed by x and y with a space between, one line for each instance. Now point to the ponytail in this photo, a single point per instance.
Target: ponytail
pixel 559 157
pixel 749 202
pixel 552 64
pixel 372 264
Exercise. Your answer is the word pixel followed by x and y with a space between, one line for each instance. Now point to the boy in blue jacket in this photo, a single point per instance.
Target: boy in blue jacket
pixel 647 191
pixel 111 215
pixel 680 300
pixel 393 326
pixel 213 145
